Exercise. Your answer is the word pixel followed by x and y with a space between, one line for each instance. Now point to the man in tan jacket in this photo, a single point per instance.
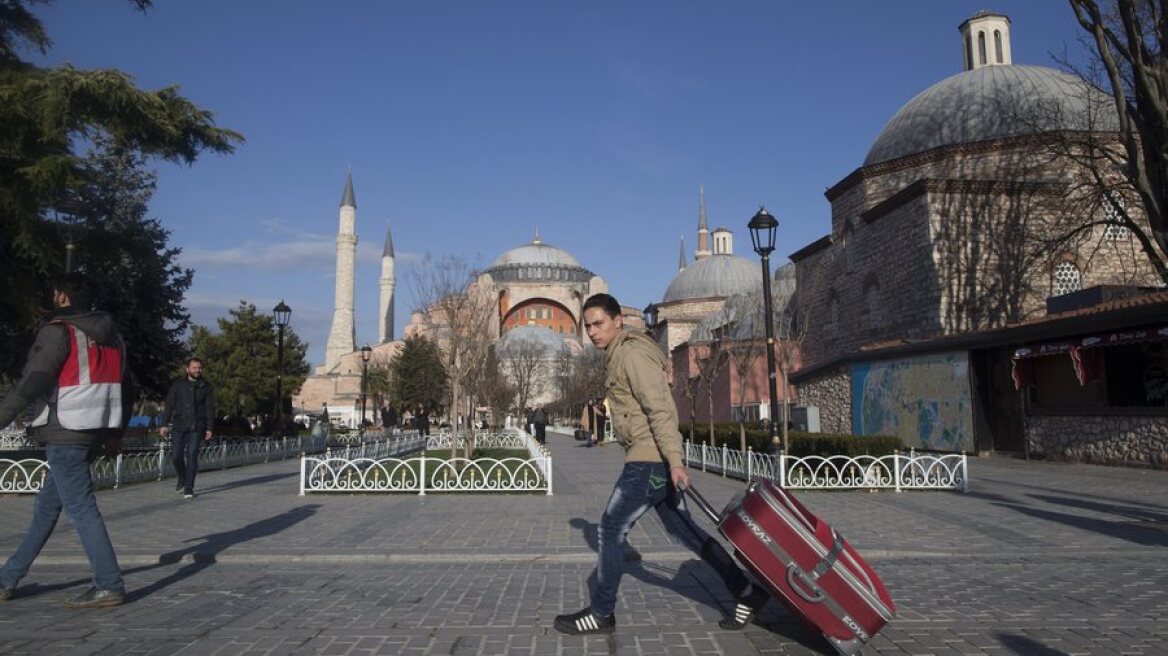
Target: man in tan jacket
pixel 644 420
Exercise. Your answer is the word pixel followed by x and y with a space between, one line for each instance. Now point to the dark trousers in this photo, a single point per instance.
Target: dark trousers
pixel 541 433
pixel 186 456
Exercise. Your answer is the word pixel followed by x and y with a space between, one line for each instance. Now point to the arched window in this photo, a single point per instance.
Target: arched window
pixel 872 299
pixel 833 314
pixel 998 47
pixel 968 52
pixel 981 48
pixel 1066 278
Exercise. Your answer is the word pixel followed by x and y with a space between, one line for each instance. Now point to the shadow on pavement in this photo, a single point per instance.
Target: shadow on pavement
pixel 1024 646
pixel 1152 535
pixel 204 554
pixel 1130 512
pixel 255 480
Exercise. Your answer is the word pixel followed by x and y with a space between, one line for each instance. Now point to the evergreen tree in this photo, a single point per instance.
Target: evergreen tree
pixel 133 268
pixel 44 114
pixel 416 375
pixel 240 361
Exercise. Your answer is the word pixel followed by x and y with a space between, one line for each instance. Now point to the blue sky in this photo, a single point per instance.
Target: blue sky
pixel 468 125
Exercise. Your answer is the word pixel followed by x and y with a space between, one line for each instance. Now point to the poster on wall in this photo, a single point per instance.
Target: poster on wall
pixel 923 400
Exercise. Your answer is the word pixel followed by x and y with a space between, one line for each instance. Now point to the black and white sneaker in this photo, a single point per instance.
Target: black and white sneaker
pixel 745 609
pixel 585 622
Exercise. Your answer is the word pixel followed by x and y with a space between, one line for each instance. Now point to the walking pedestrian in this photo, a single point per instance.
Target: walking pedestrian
pixel 190 416
pixel 539 420
pixel 645 423
pixel 76 372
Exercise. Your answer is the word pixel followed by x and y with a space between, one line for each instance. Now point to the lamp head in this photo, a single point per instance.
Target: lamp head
pixel 763 227
pixel 282 313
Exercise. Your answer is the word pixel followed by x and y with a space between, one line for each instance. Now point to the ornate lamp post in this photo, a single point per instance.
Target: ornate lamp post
pixel 366 354
pixel 763 227
pixel 282 314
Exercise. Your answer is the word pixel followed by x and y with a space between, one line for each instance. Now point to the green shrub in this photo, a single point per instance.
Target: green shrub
pixel 802 444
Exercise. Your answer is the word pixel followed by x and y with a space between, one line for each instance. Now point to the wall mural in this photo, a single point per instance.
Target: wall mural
pixel 924 400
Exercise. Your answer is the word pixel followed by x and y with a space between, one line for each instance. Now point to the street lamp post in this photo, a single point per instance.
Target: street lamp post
pixel 282 314
pixel 366 354
pixel 762 235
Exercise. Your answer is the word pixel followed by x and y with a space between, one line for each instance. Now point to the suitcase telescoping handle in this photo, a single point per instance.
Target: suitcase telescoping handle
pixel 702 503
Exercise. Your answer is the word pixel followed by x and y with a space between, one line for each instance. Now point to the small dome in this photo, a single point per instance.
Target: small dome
pixel 992 102
pixel 716 275
pixel 548 339
pixel 536 253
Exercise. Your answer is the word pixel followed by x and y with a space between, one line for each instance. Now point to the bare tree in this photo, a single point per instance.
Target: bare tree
pixel 457 311
pixel 1127 38
pixel 744 315
pixel 710 358
pixel 526 362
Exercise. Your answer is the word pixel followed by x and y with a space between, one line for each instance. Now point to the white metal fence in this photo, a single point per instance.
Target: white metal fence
pixel 383 470
pixel 899 471
pixel 26 476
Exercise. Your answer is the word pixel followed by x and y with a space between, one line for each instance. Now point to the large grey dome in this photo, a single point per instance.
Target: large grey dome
pixel 716 275
pixel 536 253
pixel 992 102
pixel 539 263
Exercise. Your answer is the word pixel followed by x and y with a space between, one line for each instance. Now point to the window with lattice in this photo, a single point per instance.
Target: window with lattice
pixel 1066 278
pixel 1113 205
pixel 832 316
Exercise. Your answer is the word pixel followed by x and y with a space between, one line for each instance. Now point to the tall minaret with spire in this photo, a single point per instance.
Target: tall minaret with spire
pixel 386 283
pixel 343 335
pixel 681 263
pixel 703 249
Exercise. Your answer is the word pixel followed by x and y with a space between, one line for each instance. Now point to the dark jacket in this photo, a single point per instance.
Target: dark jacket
pixel 38 381
pixel 190 406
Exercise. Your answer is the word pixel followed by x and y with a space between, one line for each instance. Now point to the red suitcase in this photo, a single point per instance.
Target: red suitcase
pixel 805 563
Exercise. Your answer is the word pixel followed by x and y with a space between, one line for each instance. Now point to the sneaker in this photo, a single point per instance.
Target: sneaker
pixel 94 598
pixel 745 609
pixel 178 487
pixel 188 494
pixel 7 593
pixel 585 622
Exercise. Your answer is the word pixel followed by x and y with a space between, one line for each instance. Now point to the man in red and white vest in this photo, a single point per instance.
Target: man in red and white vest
pixel 76 376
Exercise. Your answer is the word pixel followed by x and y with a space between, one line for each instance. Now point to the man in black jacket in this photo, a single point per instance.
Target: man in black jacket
pixel 76 375
pixel 190 415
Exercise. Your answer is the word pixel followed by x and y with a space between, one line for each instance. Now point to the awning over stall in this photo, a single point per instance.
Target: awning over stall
pixel 1087 359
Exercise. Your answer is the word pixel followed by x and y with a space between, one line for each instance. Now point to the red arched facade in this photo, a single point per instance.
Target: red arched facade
pixel 541 312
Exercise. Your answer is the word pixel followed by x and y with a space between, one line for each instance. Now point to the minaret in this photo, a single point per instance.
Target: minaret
pixel 343 335
pixel 681 259
pixel 703 230
pixel 385 310
pixel 986 40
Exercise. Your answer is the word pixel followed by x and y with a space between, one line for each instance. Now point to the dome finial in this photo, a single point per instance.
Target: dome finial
pixel 536 239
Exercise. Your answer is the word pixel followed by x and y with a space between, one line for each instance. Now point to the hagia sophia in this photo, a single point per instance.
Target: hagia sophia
pixel 935 308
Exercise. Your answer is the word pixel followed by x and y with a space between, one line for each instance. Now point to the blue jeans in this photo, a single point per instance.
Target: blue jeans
pixel 641 486
pixel 68 485
pixel 185 456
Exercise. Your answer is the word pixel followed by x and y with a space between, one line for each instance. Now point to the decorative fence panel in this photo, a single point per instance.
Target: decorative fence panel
pixel 380 470
pixel 899 471
pixel 26 476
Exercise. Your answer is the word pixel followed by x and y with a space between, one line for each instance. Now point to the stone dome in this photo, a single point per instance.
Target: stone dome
pixel 992 102
pixel 716 275
pixel 548 339
pixel 537 262
pixel 536 253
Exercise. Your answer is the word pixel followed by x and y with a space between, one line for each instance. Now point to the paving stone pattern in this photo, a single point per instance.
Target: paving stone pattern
pixel 1038 559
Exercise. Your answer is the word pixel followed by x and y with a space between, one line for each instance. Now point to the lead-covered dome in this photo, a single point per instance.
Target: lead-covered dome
pixel 538 262
pixel 716 275
pixel 992 102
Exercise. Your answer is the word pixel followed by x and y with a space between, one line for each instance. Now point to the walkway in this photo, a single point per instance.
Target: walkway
pixel 1039 559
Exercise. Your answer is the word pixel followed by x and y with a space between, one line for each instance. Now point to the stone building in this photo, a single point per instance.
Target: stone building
pixel 966 189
